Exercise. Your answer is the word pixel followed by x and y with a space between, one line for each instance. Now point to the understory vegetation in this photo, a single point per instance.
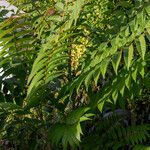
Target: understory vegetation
pixel 75 75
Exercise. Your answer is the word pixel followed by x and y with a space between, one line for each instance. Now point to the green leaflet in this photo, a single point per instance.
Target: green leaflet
pixel 141 46
pixel 134 74
pixel 128 55
pixel 52 76
pixel 86 117
pixel 133 25
pixel 78 83
pixel 23 33
pixel 92 74
pixel 37 78
pixel 115 96
pixel 56 60
pixel 51 68
pixel 99 68
pixel 5 32
pixel 6 40
pixel 77 8
pixel 94 62
pixel 103 66
pixel 115 43
pixel 148 10
pixel 88 79
pixel 148 33
pixel 101 48
pixel 141 147
pixel 116 61
pixel 128 81
pixel 5 23
pixel 121 85
pixel 9 106
pixel 79 132
pixel 100 106
pixel 103 96
pixel 40 65
pixel 59 6
pixel 141 68
pixel 96 75
pixel 127 31
pixel 141 19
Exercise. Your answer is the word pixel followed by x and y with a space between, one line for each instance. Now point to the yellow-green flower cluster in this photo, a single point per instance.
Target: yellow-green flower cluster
pixel 77 51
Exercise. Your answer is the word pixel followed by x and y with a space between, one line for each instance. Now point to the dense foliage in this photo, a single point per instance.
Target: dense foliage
pixel 75 75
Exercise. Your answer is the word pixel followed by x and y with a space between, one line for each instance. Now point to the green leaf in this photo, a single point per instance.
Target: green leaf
pixel 115 96
pixel 140 18
pixel 86 117
pixel 148 10
pixel 134 74
pixel 101 105
pixel 128 55
pixel 141 69
pixel 36 80
pixel 121 86
pixel 9 106
pixel 96 75
pixel 59 6
pixel 141 46
pixel 116 61
pixel 77 8
pixel 40 65
pixel 103 66
pixel 148 33
pixel 128 81
pixel 88 79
